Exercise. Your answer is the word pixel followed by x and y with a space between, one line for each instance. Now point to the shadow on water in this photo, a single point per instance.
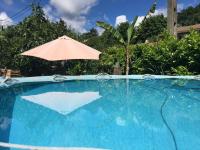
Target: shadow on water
pixel 7 101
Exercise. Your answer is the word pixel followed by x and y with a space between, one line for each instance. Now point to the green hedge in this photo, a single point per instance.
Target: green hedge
pixel 168 56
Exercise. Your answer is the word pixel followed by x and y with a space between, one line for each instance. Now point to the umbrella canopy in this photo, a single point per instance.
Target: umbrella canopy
pixel 63 48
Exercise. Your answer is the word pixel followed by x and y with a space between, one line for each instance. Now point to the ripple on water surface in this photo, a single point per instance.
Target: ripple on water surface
pixel 111 114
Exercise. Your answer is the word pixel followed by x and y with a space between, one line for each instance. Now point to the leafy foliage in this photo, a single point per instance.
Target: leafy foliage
pixel 31 32
pixel 115 33
pixel 169 56
pixel 130 31
pixel 181 70
pixel 151 28
pixel 166 56
pixel 189 16
pixel 125 40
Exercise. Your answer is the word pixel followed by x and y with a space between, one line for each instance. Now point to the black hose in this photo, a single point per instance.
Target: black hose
pixel 165 121
pixel 162 114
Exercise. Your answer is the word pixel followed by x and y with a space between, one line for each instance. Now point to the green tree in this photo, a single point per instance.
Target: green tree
pixel 189 16
pixel 33 31
pixel 99 42
pixel 155 58
pixel 92 33
pixel 188 52
pixel 151 28
pixel 122 28
pixel 130 34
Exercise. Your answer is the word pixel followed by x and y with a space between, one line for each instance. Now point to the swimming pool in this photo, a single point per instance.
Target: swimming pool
pixel 118 114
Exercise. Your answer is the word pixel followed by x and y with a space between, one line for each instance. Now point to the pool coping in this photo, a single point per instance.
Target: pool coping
pixel 59 78
pixel 28 147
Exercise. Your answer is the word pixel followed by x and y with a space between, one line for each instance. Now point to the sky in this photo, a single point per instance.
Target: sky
pixel 83 14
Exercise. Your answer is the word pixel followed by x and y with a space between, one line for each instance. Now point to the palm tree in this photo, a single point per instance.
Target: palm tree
pixel 131 35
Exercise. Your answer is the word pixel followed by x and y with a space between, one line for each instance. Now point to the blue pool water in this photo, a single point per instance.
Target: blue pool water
pixel 110 114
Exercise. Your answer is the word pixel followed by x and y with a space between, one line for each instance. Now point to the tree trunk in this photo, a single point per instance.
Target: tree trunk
pixel 127 61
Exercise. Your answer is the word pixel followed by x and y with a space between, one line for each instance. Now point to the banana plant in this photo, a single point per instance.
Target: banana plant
pixel 130 33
